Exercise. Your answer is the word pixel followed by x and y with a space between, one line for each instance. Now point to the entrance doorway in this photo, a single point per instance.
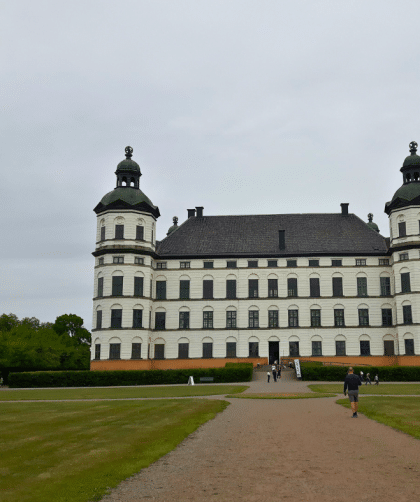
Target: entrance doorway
pixel 273 352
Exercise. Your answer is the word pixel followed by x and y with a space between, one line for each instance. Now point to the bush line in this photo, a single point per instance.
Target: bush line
pixel 314 372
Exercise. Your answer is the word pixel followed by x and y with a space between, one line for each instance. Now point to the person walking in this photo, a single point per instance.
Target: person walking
pixel 279 371
pixel 368 379
pixel 361 376
pixel 352 383
pixel 274 370
pixel 268 377
pixel 376 380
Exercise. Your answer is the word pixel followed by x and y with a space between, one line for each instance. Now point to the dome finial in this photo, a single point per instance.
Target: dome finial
pixel 370 217
pixel 413 147
pixel 175 220
pixel 129 152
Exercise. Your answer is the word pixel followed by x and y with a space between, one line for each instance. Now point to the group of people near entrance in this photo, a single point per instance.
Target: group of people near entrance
pixel 351 386
pixel 276 371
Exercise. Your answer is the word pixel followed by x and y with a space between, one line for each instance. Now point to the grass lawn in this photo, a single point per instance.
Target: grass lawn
pixel 119 393
pixel 302 395
pixel 401 413
pixel 402 389
pixel 74 451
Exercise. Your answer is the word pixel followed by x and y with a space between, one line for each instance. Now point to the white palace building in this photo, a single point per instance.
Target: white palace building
pixel 325 287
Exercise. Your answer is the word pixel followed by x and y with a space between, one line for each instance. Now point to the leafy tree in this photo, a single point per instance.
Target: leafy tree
pixel 7 322
pixel 72 325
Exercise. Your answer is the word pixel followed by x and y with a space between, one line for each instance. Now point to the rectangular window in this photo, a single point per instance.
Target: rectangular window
pixel 184 290
pixel 361 262
pixel 364 347
pixel 208 289
pixel 407 315
pixel 314 263
pixel 403 256
pixel 117 285
pixel 208 320
pixel 116 318
pixel 340 348
pixel 273 318
pixel 385 283
pixel 272 263
pixel 231 288
pixel 138 286
pixel 160 320
pixel 115 351
pixel 402 229
pixel 315 318
pixel 97 350
pixel 409 347
pixel 118 259
pixel 253 349
pixel 362 286
pixel 184 320
pixel 317 348
pixel 389 348
pixel 230 349
pixel 293 318
pixel 101 261
pixel 119 231
pixel 139 233
pixel 383 261
pixel 291 263
pixel 159 351
pixel 231 319
pixel 253 288
pixel 208 264
pixel 386 317
pixel 253 318
pixel 337 286
pixel 183 350
pixel 338 317
pixel 101 286
pixel 405 283
pixel 160 290
pixel 99 319
pixel 252 263
pixel 138 260
pixel 137 318
pixel 273 289
pixel 314 287
pixel 293 349
pixel 363 317
pixel 231 264
pixel 207 350
pixel 292 289
pixel 185 264
pixel 161 264
pixel 136 351
pixel 102 233
pixel 336 263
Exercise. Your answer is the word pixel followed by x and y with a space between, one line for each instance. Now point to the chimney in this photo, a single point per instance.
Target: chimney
pixel 191 213
pixel 199 211
pixel 344 208
pixel 282 242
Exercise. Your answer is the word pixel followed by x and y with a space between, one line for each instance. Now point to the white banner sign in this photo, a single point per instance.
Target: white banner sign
pixel 297 367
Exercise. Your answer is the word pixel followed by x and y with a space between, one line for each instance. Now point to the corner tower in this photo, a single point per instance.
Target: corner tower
pixel 404 224
pixel 125 244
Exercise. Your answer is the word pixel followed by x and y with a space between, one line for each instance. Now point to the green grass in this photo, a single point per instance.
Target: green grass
pixel 402 389
pixel 302 395
pixel 401 413
pixel 119 392
pixel 74 451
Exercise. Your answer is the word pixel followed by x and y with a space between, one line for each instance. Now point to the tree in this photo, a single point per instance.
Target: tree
pixel 8 322
pixel 72 326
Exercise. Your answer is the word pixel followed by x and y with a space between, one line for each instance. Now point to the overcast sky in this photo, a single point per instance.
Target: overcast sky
pixel 243 107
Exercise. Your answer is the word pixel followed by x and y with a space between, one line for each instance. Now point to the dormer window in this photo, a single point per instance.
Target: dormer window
pixel 161 264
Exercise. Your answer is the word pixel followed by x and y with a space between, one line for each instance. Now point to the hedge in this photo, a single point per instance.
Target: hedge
pixel 126 377
pixel 338 373
pixel 239 365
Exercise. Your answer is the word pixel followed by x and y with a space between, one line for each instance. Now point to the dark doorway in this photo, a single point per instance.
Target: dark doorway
pixel 389 347
pixel 273 352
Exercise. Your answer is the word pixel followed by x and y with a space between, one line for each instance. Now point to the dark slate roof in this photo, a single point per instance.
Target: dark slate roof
pixel 258 235
pixel 127 198
pixel 407 195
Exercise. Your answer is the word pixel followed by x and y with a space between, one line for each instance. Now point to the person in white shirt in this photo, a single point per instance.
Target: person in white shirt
pixel 273 369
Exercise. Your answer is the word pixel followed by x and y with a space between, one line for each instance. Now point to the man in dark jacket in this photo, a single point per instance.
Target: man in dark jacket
pixel 352 383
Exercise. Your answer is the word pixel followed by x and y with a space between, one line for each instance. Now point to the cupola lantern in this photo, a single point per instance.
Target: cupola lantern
pixel 128 172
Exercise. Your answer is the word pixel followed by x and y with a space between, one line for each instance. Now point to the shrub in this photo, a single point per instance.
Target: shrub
pixel 338 373
pixel 122 377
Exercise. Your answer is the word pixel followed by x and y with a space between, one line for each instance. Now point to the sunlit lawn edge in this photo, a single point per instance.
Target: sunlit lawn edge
pixel 280 396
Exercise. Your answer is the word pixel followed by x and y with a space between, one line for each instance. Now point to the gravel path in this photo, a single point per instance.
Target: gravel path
pixel 305 450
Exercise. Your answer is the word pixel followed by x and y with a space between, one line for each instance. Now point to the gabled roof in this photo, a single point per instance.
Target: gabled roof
pixel 258 235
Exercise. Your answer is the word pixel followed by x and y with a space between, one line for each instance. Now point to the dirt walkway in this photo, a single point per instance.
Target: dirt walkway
pixel 305 450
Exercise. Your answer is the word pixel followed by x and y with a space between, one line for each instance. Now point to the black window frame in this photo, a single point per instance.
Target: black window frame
pixel 293 318
pixel 315 318
pixel 138 260
pixel 383 261
pixel 253 288
pixel 117 285
pixel 116 318
pixel 339 318
pixel 314 287
pixel 385 286
pixel 403 257
pixel 184 264
pixel 230 349
pixel 272 263
pixel 340 347
pixel 103 231
pixel 337 287
pixel 100 287
pixel 402 229
pixel 360 262
pixel 137 318
pixel 386 317
pixel 184 320
pixel 114 351
pixel 273 288
pixel 208 264
pixel 208 293
pixel 407 314
pixel 231 289
pixel 184 289
pixel 139 233
pixel 99 319
pixel 160 290
pixel 363 315
pixel 231 264
pixel 316 348
pixel 160 321
pixel 410 351
pixel 253 349
pixel 252 263
pixel 273 318
pixel 159 351
pixel 136 350
pixel 292 287
pixel 291 263
pixel 97 351
pixel 138 286
pixel 362 290
pixel 118 259
pixel 294 349
pixel 231 319
pixel 207 350
pixel 119 232
pixel 336 263
pixel 161 265
pixel 183 350
pixel 365 347
pixel 405 282
pixel 208 319
pixel 253 319
pixel 313 263
pixel 101 261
